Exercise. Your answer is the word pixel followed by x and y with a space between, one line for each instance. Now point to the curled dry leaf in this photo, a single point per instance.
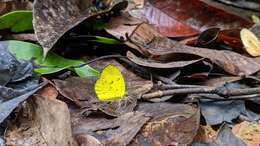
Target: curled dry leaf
pixel 52 19
pixel 150 43
pixel 171 124
pixel 157 64
pixel 48 123
pixel 251 42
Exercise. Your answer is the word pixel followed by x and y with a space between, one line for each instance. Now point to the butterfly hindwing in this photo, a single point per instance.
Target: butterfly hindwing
pixel 111 84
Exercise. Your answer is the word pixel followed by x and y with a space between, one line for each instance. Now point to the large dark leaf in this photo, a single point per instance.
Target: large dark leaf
pixel 52 19
pixel 17 82
pixel 114 132
pixel 179 18
pixel 218 112
pixel 171 124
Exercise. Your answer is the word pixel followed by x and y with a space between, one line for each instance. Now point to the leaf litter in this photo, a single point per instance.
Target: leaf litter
pixel 203 78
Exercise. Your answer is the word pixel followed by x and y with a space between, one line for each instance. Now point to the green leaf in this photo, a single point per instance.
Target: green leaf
pixel 52 63
pixel 106 40
pixel 17 21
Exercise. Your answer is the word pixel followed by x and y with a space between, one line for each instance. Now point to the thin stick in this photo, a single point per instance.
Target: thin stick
pixel 99 58
pixel 221 91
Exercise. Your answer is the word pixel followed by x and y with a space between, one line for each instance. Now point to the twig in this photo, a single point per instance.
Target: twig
pixel 221 91
pixel 99 58
pixel 219 98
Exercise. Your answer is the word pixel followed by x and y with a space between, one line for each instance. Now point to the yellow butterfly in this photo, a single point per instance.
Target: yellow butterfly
pixel 111 84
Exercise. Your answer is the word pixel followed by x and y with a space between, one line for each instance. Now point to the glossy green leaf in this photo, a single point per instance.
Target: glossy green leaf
pixel 17 21
pixel 52 63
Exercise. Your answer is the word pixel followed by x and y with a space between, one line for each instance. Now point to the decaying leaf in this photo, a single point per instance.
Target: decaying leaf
pixel 17 82
pixel 52 19
pixel 156 64
pixel 251 42
pixel 253 5
pixel 248 132
pixel 206 134
pixel 225 138
pixel 49 123
pixel 222 111
pixel 181 18
pixel 171 124
pixel 119 131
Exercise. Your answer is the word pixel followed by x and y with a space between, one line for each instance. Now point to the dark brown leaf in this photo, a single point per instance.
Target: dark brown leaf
pixel 171 124
pixel 52 19
pixel 158 64
pixel 180 18
pixel 117 132
pixel 47 122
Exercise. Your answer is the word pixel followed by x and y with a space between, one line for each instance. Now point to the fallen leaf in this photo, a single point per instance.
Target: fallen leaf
pixel 171 124
pixel 52 19
pixel 17 82
pixel 87 140
pixel 119 131
pixel 182 18
pixel 250 42
pixel 225 138
pixel 49 125
pixel 248 132
pixel 221 111
pixel 157 64
pixel 206 134
pixel 253 5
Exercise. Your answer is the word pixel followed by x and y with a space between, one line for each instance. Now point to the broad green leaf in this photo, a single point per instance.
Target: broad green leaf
pixel 17 21
pixel 52 63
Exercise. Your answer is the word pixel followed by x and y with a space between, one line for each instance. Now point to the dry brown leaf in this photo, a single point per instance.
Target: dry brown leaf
pixel 171 124
pixel 158 64
pixel 49 123
pixel 119 131
pixel 248 132
pixel 250 42
pixel 206 134
pixel 52 19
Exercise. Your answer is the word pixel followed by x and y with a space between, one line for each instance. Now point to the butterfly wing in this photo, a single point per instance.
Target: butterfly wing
pixel 111 85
